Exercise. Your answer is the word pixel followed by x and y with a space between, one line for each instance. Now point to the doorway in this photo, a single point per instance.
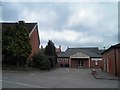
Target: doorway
pixel 80 63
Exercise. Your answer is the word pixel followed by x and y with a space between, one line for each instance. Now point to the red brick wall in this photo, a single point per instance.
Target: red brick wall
pixel 62 61
pixel 110 55
pixel 86 63
pixel 74 63
pixel 92 62
pixel 100 64
pixel 34 40
pixel 118 61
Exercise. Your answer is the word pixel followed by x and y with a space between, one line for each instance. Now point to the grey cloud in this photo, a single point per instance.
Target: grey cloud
pixel 102 30
pixel 9 12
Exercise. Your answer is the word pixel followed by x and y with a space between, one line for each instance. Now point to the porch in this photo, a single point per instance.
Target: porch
pixel 79 62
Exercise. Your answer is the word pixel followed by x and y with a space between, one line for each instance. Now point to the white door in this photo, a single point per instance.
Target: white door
pixel 80 63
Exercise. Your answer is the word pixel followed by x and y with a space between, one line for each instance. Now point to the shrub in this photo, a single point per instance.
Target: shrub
pixel 45 64
pixel 41 61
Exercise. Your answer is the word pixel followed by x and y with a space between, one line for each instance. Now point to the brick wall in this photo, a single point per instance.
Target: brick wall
pixel 74 63
pixel 62 62
pixel 100 64
pixel 118 61
pixel 110 56
pixel 34 40
pixel 86 63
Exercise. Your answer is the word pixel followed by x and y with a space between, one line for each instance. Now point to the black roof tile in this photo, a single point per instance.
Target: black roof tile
pixel 6 25
pixel 112 47
pixel 90 51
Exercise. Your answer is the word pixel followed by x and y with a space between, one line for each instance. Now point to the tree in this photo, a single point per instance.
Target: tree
pixel 7 36
pixel 51 52
pixel 16 42
pixel 50 49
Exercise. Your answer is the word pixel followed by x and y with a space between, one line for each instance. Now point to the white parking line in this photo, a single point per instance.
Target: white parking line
pixel 35 86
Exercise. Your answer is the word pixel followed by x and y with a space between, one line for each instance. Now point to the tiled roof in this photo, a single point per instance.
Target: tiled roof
pixel 6 25
pixel 101 51
pixel 90 51
pixel 79 55
pixel 112 47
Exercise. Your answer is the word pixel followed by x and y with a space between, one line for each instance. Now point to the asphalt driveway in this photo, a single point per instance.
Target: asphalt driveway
pixel 58 78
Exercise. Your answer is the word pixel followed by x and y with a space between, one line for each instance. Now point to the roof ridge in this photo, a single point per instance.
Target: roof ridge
pixel 16 22
pixel 29 26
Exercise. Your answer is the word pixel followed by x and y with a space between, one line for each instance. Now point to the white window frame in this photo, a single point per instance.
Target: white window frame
pixel 96 62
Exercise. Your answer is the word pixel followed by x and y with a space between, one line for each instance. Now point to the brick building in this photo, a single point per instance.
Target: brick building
pixel 111 60
pixel 80 57
pixel 32 29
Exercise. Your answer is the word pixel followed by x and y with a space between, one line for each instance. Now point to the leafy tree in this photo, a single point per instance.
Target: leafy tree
pixel 16 42
pixel 7 36
pixel 51 52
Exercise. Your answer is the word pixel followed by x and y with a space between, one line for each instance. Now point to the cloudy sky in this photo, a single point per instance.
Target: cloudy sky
pixel 69 24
